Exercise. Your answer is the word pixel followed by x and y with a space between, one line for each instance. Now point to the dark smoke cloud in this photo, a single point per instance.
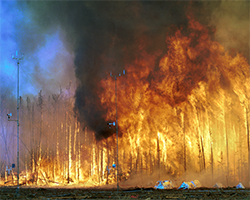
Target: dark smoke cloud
pixel 105 36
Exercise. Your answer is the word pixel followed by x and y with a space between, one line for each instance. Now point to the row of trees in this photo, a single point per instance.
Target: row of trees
pixel 56 148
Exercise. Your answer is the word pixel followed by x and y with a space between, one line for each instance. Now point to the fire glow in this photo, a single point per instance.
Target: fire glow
pixel 181 112
pixel 190 113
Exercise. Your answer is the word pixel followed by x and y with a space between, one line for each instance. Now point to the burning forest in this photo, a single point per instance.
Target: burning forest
pixel 182 106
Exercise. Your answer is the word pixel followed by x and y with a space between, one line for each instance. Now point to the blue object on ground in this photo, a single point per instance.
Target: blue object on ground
pixel 240 186
pixel 184 186
pixel 159 186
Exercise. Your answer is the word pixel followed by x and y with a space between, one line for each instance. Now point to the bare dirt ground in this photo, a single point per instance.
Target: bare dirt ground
pixel 132 193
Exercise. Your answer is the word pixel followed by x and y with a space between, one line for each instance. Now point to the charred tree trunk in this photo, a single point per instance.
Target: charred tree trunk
pixel 158 155
pixel 203 154
pixel 212 162
pixel 30 133
pixel 226 132
pixel 74 148
pixel 150 158
pixel 40 103
pixel 79 150
pixel 66 148
pixel 69 153
pixel 33 152
pixel 248 147
pixel 101 161
pixel 58 169
pixel 107 147
pixel 184 143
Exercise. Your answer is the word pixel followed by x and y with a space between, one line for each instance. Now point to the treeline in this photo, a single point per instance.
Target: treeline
pixel 54 146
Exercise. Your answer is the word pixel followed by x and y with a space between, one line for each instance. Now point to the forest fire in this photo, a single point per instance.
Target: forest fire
pixel 189 114
pixel 182 113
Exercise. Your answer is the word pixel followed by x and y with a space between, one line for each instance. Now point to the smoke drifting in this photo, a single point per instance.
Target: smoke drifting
pixel 232 26
pixel 106 36
pixel 47 63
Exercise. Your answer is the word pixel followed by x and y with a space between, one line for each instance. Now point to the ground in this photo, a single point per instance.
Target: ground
pixel 133 193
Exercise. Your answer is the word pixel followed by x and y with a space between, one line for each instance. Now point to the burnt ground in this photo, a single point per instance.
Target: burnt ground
pixel 133 193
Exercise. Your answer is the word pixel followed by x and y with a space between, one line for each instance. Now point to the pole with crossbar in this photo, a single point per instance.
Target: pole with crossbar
pixel 18 103
pixel 115 77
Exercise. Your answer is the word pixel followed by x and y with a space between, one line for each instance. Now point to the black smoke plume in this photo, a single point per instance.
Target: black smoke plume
pixel 105 36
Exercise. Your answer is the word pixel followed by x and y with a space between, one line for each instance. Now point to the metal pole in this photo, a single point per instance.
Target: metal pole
pixel 18 103
pixel 115 76
pixel 116 133
pixel 18 100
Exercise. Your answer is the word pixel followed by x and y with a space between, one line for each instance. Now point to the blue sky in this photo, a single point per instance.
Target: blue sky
pixel 47 64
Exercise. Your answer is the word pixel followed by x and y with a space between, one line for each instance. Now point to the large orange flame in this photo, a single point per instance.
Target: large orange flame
pixel 187 112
